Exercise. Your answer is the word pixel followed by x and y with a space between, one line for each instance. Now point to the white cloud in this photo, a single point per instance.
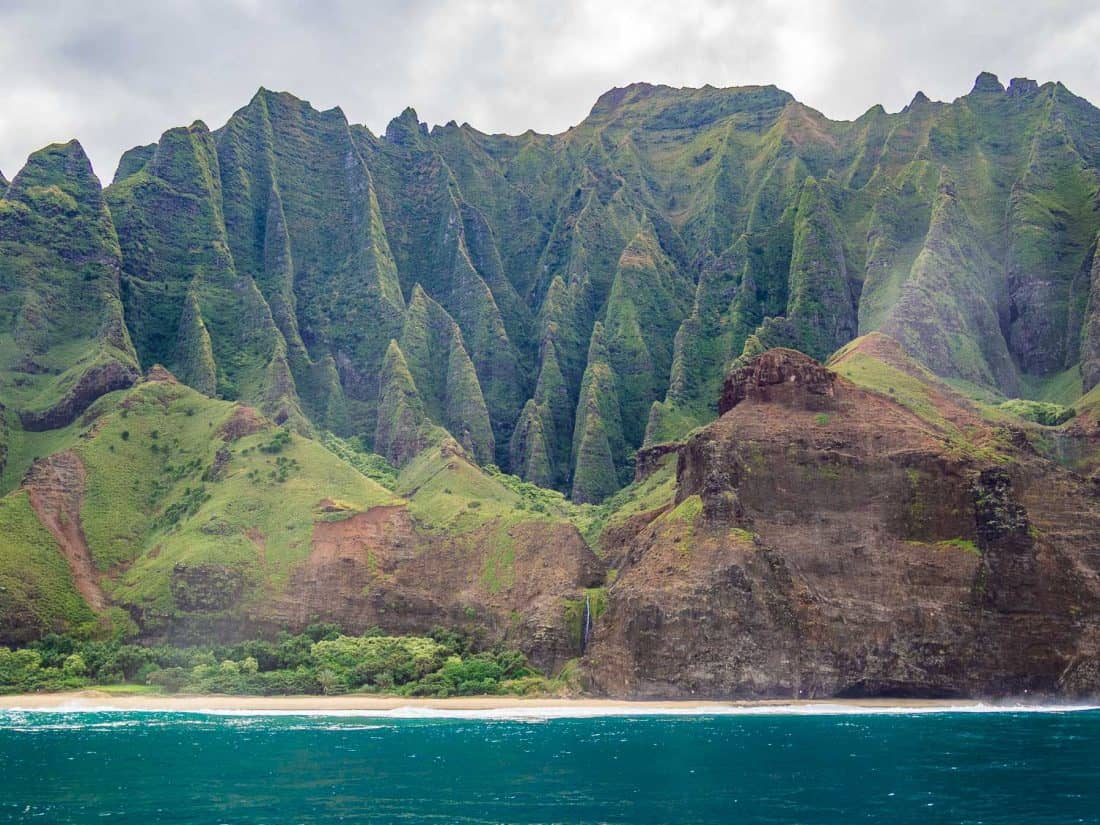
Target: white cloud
pixel 118 73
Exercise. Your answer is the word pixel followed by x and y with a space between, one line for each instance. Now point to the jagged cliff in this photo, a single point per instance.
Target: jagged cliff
pixel 827 540
pixel 587 290
pixel 288 369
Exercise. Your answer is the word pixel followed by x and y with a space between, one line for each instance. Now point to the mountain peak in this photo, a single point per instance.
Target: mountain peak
pixel 63 164
pixel 614 97
pixel 1022 86
pixel 406 127
pixel 987 82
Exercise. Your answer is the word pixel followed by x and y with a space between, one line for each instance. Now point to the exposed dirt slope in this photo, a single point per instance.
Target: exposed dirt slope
pixel 55 487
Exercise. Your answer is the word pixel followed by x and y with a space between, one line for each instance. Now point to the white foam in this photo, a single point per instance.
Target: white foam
pixel 537 712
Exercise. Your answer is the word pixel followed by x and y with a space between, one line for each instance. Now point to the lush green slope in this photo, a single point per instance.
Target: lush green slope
pixel 63 341
pixel 556 301
pixel 173 481
pixel 169 513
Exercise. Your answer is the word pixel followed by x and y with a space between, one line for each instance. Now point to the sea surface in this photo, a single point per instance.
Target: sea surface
pixel 762 765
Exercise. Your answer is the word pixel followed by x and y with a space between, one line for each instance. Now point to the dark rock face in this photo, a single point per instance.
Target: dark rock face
pixel 92 384
pixel 1022 87
pixel 1090 333
pixel 1009 575
pixel 205 587
pixel 648 459
pixel 780 376
pixel 852 553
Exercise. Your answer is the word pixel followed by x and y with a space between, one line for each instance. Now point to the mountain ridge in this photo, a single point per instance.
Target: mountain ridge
pixel 522 242
pixel 288 370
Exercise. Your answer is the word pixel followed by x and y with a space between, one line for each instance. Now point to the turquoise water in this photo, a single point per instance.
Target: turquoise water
pixel 180 768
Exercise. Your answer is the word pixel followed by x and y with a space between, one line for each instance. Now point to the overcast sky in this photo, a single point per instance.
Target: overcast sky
pixel 116 74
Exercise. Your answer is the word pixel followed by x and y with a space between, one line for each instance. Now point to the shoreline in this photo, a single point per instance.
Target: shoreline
pixel 498 706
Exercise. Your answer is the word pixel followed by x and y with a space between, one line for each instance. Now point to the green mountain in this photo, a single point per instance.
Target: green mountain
pixel 694 225
pixel 289 369
pixel 63 340
pixel 273 260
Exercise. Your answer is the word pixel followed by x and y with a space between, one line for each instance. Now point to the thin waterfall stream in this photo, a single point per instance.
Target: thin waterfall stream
pixel 587 621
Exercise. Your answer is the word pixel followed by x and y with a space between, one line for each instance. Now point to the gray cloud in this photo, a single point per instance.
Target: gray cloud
pixel 115 74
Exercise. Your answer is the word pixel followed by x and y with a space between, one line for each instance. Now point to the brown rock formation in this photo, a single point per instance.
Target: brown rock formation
pixel 783 376
pixel 508 584
pixel 244 421
pixel 843 546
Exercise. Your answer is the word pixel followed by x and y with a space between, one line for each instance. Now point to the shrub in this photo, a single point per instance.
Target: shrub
pixel 321 660
pixel 278 441
pixel 1040 412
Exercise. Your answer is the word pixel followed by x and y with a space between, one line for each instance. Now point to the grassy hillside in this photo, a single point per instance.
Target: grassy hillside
pixel 174 481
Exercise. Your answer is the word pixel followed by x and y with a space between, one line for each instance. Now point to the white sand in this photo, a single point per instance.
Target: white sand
pixel 491 706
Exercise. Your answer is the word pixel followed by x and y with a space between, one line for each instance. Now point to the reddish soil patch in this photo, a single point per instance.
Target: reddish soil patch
pixel 55 487
pixel 258 539
pixel 159 375
pixel 244 421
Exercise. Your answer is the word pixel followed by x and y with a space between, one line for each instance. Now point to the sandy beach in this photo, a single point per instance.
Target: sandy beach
pixel 583 706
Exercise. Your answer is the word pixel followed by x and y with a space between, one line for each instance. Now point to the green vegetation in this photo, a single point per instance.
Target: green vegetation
pixel 906 389
pixel 966 545
pixel 656 491
pixel 163 495
pixel 320 660
pixel 595 601
pixel 1041 412
pixel 372 465
pixel 246 509
pixel 687 511
pixel 554 303
pixel 478 326
pixel 63 340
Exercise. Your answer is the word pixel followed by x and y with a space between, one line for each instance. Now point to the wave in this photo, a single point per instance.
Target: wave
pixel 536 713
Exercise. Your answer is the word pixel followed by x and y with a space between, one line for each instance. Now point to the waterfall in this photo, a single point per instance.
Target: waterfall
pixel 587 621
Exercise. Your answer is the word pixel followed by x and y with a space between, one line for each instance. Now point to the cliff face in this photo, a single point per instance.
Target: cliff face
pixel 827 541
pixel 376 569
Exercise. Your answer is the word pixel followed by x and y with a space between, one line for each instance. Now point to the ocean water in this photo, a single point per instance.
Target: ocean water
pixel 409 767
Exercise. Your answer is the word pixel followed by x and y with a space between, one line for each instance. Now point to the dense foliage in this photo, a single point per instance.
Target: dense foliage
pixel 320 660
pixel 1041 412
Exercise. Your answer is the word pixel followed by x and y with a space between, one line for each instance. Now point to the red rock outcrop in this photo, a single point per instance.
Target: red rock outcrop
pixel 508 584
pixel 842 546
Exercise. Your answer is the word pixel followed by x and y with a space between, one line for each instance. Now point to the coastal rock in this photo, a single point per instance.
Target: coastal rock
pixel 827 542
pixel 376 569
